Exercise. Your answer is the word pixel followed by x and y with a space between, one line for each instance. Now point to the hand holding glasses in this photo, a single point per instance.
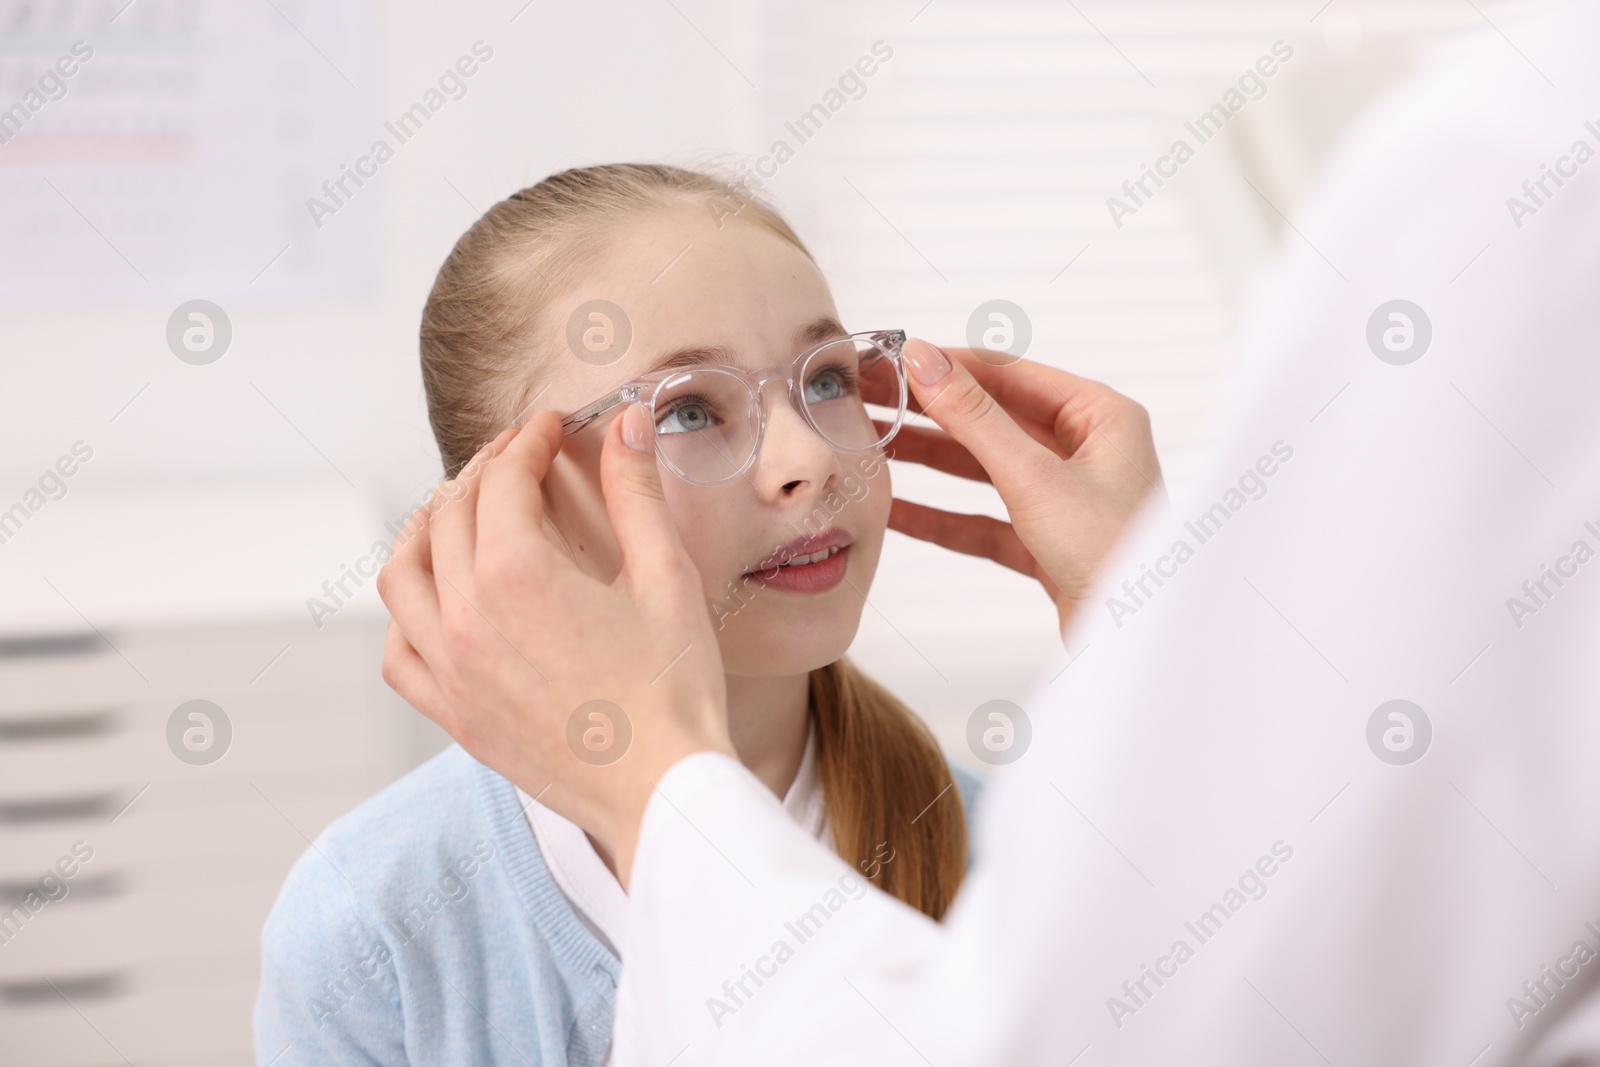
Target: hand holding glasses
pixel 477 578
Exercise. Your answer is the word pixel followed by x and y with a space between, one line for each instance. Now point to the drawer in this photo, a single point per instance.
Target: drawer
pixel 41 675
pixel 77 673
pixel 190 1019
pixel 170 837
pixel 157 941
pixel 157 926
pixel 331 729
pixel 263 658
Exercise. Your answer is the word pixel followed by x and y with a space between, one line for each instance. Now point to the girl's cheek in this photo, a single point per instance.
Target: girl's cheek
pixel 880 492
pixel 701 529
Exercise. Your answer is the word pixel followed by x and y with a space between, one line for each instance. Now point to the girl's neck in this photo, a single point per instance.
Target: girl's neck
pixel 769 719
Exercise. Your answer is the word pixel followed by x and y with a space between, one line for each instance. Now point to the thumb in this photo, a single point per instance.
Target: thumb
pixel 631 482
pixel 952 397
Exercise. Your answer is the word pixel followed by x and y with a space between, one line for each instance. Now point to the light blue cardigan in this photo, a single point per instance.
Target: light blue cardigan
pixel 424 928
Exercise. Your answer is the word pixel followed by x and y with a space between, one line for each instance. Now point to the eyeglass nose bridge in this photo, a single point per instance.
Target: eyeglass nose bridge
pixel 788 373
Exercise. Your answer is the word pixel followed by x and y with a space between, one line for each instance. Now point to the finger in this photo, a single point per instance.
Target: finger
pixel 924 445
pixel 932 447
pixel 630 477
pixel 406 586
pixel 511 500
pixel 407 673
pixel 1077 418
pixel 952 397
pixel 415 539
pixel 1029 388
pixel 454 524
pixel 1070 408
pixel 971 535
pixel 979 361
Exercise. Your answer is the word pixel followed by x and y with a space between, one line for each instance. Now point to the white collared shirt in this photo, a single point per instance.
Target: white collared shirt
pixel 594 892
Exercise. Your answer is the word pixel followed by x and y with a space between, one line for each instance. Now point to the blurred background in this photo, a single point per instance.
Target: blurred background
pixel 169 507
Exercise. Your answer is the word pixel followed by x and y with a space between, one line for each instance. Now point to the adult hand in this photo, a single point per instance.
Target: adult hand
pixel 498 637
pixel 1072 460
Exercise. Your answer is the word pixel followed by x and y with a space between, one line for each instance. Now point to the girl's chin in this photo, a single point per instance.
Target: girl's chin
pixel 773 633
pixel 777 655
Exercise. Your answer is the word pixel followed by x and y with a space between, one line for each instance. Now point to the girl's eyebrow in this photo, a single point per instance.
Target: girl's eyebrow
pixel 692 356
pixel 814 332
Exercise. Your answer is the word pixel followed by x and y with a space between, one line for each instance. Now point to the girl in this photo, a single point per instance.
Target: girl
pixel 413 929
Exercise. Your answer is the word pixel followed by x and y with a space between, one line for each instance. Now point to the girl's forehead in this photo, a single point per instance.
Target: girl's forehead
pixel 751 349
pixel 678 265
pixel 740 294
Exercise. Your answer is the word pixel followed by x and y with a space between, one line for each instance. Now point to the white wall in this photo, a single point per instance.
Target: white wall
pixel 975 166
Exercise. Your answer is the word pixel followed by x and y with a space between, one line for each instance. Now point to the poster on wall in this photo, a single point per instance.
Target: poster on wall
pixel 157 148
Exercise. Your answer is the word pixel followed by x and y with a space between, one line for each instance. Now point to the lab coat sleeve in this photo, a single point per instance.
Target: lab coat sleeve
pixel 1227 844
pixel 779 952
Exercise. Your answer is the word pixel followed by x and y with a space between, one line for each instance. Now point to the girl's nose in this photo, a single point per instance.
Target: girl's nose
pixel 793 455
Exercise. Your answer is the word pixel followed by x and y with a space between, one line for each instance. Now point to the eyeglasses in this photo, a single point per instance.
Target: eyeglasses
pixel 710 418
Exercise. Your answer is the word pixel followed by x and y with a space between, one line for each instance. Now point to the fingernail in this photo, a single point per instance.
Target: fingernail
pixel 636 428
pixel 928 363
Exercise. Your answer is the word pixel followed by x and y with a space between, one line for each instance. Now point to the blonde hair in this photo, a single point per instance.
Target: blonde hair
pixel 891 808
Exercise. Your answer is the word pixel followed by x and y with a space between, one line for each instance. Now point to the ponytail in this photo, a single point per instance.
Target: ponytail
pixel 887 790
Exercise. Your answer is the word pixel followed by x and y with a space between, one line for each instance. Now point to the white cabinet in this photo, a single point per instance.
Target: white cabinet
pixel 149 952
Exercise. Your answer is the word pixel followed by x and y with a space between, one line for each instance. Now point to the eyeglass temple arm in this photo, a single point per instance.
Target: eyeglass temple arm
pixel 585 415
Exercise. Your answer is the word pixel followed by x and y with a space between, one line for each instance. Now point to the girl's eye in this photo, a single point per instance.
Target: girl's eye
pixel 829 384
pixel 686 415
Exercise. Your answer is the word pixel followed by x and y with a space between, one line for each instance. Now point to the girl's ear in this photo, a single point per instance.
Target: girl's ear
pixel 575 518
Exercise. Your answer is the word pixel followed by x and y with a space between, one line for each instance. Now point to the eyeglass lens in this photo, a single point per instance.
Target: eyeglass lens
pixel 707 418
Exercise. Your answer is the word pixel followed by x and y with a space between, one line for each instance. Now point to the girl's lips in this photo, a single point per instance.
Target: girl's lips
pixel 816 577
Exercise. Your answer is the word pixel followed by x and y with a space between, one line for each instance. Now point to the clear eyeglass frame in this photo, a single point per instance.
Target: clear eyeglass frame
pixel 647 388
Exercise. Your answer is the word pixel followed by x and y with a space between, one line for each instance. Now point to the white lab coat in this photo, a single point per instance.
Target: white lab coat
pixel 1396 911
